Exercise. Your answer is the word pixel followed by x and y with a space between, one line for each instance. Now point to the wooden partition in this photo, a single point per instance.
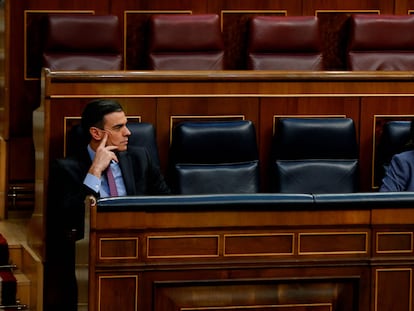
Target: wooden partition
pixel 168 97
pixel 24 40
pixel 252 252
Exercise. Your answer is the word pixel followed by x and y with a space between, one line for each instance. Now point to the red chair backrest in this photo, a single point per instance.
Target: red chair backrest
pixel 186 42
pixel 284 43
pixel 381 42
pixel 82 42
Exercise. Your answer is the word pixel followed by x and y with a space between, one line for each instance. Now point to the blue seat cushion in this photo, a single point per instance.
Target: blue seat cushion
pixel 218 178
pixel 316 176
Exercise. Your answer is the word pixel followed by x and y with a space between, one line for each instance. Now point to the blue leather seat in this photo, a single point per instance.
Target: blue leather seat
pixel 214 158
pixel 315 155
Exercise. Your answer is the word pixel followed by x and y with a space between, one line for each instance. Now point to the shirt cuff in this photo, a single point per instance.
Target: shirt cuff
pixel 92 182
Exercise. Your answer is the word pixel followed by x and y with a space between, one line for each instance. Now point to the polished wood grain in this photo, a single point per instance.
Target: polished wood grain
pixel 166 98
pixel 24 39
pixel 330 256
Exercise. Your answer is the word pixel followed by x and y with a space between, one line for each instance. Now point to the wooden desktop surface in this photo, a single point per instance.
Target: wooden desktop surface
pixel 306 254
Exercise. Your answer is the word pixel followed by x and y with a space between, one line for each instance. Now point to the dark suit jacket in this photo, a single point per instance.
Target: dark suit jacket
pixel 400 174
pixel 67 193
pixel 65 216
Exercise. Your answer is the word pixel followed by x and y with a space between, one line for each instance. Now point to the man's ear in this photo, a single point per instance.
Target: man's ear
pixel 96 133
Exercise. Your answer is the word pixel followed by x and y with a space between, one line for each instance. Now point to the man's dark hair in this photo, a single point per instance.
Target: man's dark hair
pixel 95 111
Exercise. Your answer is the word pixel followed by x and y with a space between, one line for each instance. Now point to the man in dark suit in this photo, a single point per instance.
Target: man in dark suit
pixel 399 176
pixel 400 173
pixel 72 179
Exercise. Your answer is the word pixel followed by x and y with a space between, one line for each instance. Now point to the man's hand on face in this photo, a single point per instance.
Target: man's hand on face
pixel 103 156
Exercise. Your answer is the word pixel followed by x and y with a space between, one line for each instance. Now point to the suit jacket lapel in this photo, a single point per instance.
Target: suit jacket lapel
pixel 127 172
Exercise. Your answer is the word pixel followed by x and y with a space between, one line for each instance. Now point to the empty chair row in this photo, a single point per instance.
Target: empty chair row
pixel 310 155
pixel 195 42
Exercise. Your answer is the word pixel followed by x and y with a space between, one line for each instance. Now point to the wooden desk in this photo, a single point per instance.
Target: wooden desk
pixel 252 252
pixel 165 98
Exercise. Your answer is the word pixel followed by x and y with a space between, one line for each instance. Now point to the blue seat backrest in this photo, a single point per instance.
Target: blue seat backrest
pixel 315 155
pixel 214 157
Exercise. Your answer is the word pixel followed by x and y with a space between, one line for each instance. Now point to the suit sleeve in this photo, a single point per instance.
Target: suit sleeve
pixel 156 181
pixel 396 178
pixel 66 196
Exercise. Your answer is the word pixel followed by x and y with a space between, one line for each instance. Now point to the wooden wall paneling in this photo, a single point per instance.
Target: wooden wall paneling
pixel 100 8
pixel 136 37
pixel 334 36
pixel 19 105
pixel 403 6
pixel 272 108
pixel 314 291
pixel 278 292
pixel 384 6
pixel 386 295
pixel 175 109
pixel 235 25
pixel 391 243
pixel 122 288
pixel 61 123
pixel 376 111
pixel 196 6
pixel 293 7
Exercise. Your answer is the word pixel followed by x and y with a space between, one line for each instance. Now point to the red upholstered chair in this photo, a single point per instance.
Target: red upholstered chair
pixel 381 42
pixel 82 42
pixel 186 42
pixel 284 43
